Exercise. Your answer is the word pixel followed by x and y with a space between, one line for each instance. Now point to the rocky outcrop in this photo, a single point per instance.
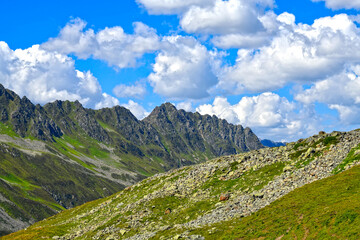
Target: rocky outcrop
pixel 74 118
pixel 25 118
pixel 187 132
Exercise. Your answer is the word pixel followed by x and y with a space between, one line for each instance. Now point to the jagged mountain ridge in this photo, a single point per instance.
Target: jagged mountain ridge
pixel 86 149
pixel 186 133
pixel 197 132
pixel 231 197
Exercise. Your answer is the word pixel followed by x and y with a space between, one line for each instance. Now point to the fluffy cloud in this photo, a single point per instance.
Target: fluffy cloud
pixel 298 53
pixel 270 25
pixel 124 91
pixel 339 92
pixel 339 4
pixel 47 76
pixel 349 115
pixel 136 109
pixel 111 45
pixel 187 106
pixel 234 22
pixel 172 6
pixel 182 69
pixel 107 101
pixel 240 40
pixel 268 114
pixel 224 17
pixel 341 89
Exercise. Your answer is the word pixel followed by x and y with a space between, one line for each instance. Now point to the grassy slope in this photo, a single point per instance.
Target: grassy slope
pixel 325 209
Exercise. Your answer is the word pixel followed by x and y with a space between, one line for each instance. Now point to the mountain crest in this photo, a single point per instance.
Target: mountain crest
pixel 174 131
pixel 186 132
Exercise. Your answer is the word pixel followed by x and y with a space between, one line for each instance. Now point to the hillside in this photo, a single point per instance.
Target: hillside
pixel 62 155
pixel 295 191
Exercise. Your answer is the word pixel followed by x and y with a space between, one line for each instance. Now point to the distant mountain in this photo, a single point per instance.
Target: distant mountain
pixel 188 133
pixel 62 155
pixel 308 189
pixel 269 143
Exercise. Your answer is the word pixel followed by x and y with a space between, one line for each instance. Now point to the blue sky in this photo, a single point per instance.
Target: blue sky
pixel 287 69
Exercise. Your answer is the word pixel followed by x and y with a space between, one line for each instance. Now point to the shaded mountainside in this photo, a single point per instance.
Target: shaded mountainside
pixel 306 189
pixel 62 155
pixel 38 184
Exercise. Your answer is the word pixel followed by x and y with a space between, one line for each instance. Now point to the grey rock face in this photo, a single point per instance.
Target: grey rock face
pixel 187 132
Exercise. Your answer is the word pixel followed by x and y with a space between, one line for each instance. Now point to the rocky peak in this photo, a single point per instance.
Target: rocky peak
pixel 161 113
pixel 7 94
pixel 25 118
pixel 72 115
pixel 187 132
pixel 169 107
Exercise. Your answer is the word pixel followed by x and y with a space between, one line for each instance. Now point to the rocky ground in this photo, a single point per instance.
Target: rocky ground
pixel 172 204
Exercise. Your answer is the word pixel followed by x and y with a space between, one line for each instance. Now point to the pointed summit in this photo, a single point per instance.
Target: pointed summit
pixel 161 112
pixel 186 132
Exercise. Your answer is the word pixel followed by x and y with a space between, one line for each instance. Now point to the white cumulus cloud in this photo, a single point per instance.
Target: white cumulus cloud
pixel 268 114
pixel 339 92
pixel 349 115
pixel 239 39
pixel 136 109
pixel 187 106
pixel 107 101
pixel 45 76
pixel 224 17
pixel 182 69
pixel 233 22
pixel 172 6
pixel 297 54
pixel 341 4
pixel 137 90
pixel 111 45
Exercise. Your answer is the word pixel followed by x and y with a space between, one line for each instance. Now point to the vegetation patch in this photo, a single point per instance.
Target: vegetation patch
pixel 330 140
pixel 12 179
pixel 253 179
pixel 8 130
pixel 354 155
pixel 308 152
pixel 301 143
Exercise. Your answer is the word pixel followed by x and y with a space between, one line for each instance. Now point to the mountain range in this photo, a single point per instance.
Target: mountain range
pixel 61 155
